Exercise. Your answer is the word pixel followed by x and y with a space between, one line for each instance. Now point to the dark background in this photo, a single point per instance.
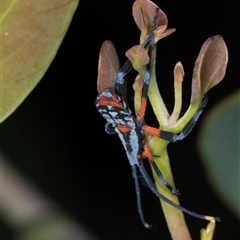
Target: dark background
pixel 57 139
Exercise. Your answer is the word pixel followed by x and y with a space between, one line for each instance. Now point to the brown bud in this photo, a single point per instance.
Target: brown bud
pixel 108 67
pixel 210 66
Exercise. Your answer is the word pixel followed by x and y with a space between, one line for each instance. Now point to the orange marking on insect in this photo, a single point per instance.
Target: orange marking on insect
pixel 104 101
pixel 123 128
pixel 147 153
pixel 151 130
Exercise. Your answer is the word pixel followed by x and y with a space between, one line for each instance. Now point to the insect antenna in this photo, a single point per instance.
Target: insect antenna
pixel 138 196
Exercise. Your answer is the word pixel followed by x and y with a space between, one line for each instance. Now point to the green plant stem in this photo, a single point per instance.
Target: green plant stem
pixel 174 217
pixel 181 122
pixel 154 95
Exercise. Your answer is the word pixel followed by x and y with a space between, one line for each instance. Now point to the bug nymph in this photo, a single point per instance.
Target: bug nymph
pixel 120 120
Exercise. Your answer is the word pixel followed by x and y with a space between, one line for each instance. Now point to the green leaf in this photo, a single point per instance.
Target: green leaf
pixel 219 145
pixel 31 32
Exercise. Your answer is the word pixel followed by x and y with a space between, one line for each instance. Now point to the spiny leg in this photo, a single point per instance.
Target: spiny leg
pixel 146 81
pixel 147 153
pixel 171 137
pixel 163 180
pixel 153 188
pixel 138 195
pixel 188 128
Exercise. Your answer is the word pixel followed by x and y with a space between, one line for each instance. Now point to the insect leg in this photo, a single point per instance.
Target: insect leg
pixel 147 153
pixel 120 84
pixel 147 72
pixel 163 180
pixel 171 137
pixel 153 188
pixel 188 128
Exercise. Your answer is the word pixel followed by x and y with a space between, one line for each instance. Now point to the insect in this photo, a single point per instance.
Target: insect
pixel 130 130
